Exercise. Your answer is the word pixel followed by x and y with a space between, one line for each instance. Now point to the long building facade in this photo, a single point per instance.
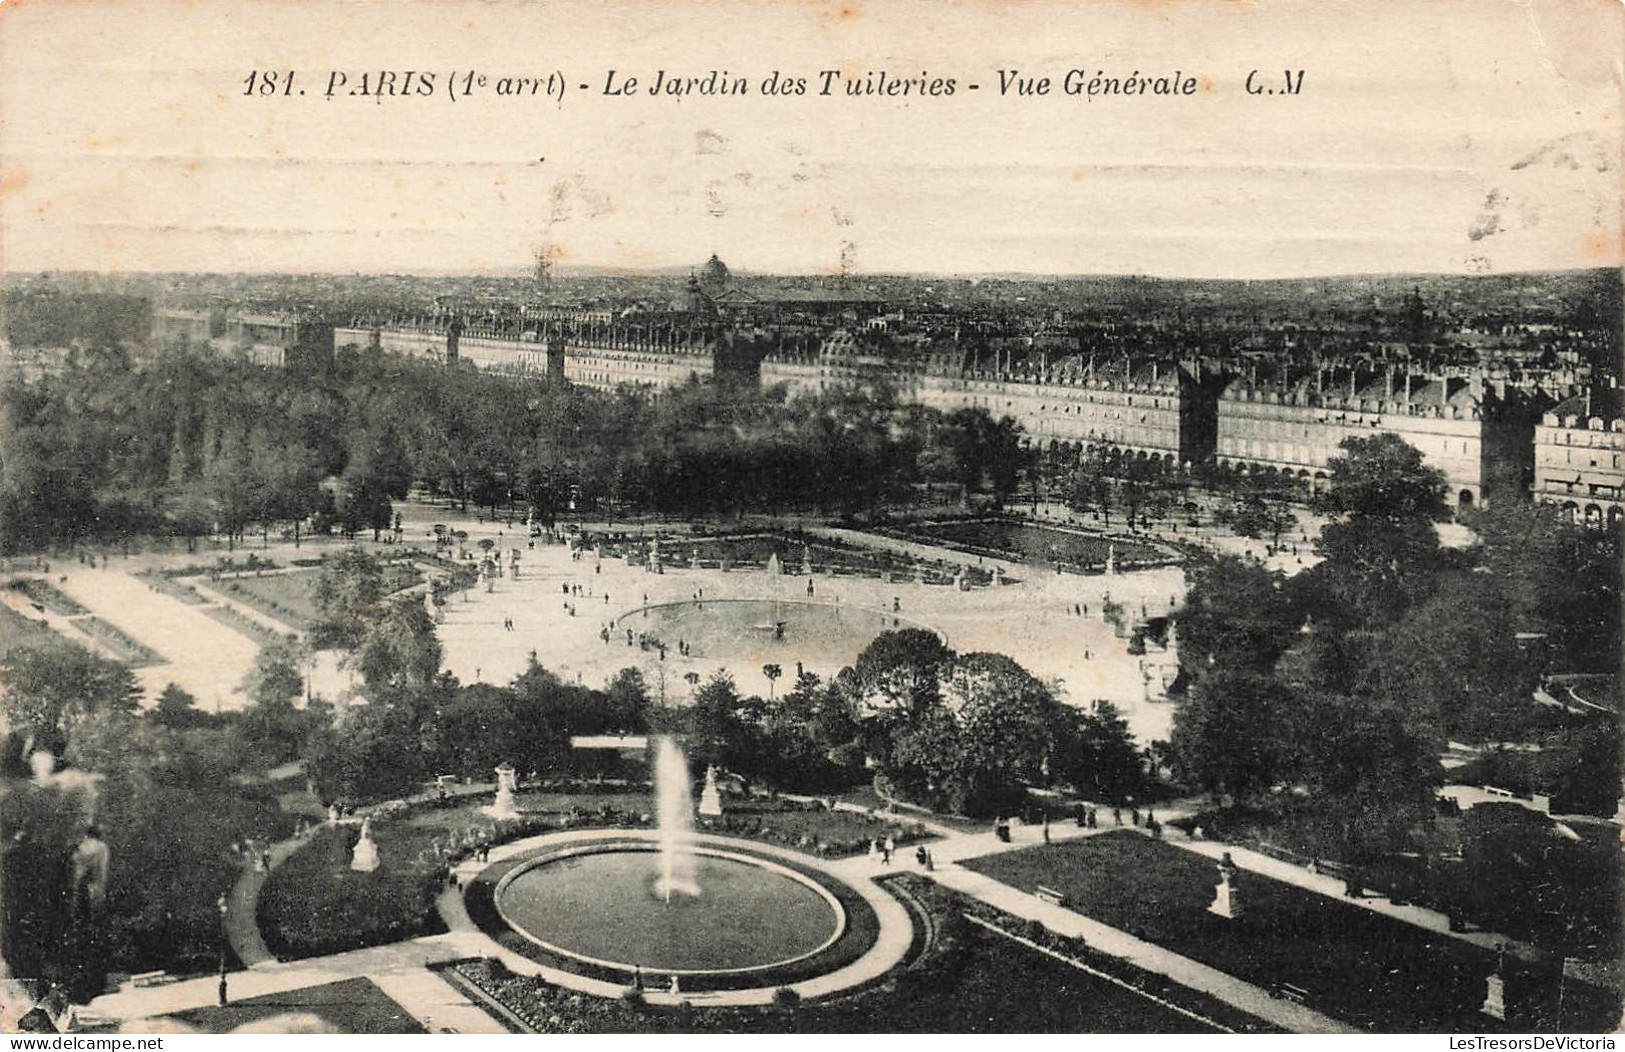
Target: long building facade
pixel 1579 448
pixel 1295 426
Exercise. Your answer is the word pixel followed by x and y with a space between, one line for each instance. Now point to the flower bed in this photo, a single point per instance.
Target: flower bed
pixel 166 583
pixel 130 651
pixel 43 593
pixel 242 623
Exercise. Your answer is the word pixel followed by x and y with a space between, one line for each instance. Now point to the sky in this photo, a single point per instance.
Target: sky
pixel 1454 136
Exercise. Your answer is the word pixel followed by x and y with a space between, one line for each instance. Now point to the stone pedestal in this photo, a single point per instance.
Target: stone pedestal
pixel 1495 1005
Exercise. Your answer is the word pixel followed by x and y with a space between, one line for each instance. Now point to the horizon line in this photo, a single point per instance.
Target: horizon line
pixel 517 274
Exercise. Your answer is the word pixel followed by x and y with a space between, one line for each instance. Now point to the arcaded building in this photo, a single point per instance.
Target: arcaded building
pixel 1579 444
pixel 1156 410
pixel 1293 424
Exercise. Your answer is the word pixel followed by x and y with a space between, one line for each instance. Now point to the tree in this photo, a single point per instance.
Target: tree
pixel 1455 657
pixel 1560 580
pixel 272 724
pixel 724 728
pixel 626 700
pixel 1373 773
pixel 348 590
pixel 399 654
pixel 1231 735
pixel 1007 719
pixel 478 729
pixel 1380 545
pixel 900 670
pixel 1259 517
pixel 772 672
pixel 369 753
pixel 277 676
pixel 177 709
pixel 1095 752
pixel 48 689
pixel 1237 614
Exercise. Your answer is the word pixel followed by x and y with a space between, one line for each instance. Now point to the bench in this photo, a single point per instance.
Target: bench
pixel 1049 895
pixel 145 979
pixel 1290 992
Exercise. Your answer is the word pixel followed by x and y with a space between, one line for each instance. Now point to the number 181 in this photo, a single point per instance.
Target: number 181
pixel 270 82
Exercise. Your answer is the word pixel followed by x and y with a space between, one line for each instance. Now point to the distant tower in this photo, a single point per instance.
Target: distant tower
pixel 544 271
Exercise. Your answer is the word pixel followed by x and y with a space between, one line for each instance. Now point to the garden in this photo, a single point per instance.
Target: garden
pixel 314 904
pixel 970 970
pixel 1034 545
pixel 1360 966
pixel 290 596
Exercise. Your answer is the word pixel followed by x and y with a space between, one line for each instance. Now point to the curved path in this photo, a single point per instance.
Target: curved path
pixel 242 908
pixel 891 945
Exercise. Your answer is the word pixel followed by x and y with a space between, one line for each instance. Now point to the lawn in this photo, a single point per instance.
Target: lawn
pixel 291 597
pixel 1034 545
pixel 350 1006
pixel 1357 965
pixel 754 550
pixel 313 904
pixel 18 632
pixel 242 624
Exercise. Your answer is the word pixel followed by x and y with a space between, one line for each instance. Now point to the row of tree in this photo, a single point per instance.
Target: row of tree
pixel 191 443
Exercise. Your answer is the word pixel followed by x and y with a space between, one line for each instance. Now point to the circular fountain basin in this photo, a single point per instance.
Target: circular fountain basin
pixel 601 905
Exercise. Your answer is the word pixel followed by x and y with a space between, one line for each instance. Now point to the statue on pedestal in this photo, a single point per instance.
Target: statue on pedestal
pixel 1495 1004
pixel 507 782
pixel 1111 558
pixel 1225 902
pixel 365 858
pixel 710 798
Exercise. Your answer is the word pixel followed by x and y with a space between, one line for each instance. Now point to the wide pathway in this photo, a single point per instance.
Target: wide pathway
pixel 206 658
pixel 399 969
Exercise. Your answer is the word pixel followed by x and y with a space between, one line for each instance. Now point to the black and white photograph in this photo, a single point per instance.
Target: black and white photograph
pixel 871 517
